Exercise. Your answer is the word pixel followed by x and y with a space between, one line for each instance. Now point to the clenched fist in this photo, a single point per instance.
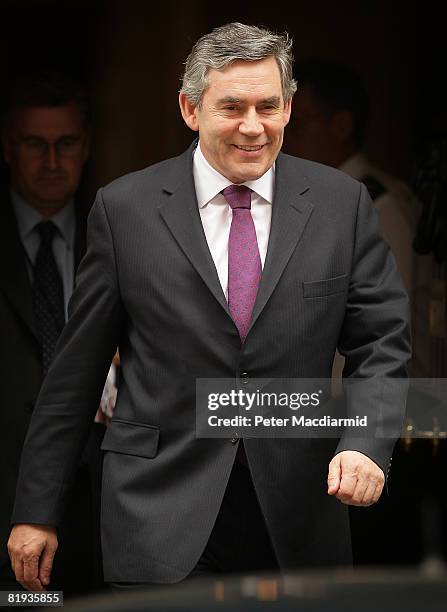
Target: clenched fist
pixel 355 479
pixel 32 549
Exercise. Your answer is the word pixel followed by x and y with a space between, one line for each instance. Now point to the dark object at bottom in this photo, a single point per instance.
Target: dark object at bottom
pixel 335 590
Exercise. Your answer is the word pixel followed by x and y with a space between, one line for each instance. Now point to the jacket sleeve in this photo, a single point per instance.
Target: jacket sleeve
pixel 375 340
pixel 71 391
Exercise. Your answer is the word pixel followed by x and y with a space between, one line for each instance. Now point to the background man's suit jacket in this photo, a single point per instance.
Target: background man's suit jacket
pixel 20 381
pixel 148 283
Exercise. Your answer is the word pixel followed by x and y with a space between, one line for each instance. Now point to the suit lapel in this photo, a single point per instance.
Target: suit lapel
pixel 290 214
pixel 14 277
pixel 181 214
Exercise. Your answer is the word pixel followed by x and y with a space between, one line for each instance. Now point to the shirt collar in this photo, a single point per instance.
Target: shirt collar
pixel 209 182
pixel 28 217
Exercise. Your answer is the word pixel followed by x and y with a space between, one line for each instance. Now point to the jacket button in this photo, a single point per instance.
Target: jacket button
pixel 244 378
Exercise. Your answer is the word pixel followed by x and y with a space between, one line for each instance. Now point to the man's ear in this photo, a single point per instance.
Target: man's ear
pixel 189 112
pixel 287 111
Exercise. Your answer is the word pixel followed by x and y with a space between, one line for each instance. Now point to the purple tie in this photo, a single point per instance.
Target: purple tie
pixel 244 262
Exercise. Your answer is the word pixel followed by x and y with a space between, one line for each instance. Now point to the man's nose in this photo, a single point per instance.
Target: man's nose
pixel 251 126
pixel 52 157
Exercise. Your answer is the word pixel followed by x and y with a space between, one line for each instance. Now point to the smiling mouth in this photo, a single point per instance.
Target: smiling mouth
pixel 249 148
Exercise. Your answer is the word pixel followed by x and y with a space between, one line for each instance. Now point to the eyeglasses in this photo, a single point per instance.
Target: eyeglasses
pixel 66 146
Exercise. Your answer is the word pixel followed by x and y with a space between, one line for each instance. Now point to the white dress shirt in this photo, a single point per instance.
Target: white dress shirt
pixel 63 242
pixel 216 214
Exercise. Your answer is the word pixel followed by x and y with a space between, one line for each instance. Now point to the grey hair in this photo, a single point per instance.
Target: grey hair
pixel 232 42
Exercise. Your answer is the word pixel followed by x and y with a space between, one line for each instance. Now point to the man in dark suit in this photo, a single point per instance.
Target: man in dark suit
pixel 45 146
pixel 229 261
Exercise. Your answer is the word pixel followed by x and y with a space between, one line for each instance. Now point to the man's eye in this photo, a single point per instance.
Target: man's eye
pixel 68 146
pixel 34 144
pixel 67 141
pixel 230 108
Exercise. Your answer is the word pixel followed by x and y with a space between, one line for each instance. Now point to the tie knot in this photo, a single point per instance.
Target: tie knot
pixel 47 231
pixel 238 196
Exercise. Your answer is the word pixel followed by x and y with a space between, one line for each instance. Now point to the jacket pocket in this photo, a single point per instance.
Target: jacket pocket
pixel 131 438
pixel 328 286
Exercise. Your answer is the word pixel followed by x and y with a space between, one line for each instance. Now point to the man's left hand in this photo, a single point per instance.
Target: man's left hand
pixel 355 479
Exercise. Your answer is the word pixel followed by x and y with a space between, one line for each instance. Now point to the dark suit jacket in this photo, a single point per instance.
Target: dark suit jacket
pixel 20 362
pixel 148 282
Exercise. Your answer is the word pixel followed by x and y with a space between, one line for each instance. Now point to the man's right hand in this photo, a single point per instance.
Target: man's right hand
pixel 32 549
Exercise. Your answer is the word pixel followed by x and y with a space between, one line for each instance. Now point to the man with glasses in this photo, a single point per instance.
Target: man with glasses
pixel 45 146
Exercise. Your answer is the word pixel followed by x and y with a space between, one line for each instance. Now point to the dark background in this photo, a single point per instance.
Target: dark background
pixel 131 54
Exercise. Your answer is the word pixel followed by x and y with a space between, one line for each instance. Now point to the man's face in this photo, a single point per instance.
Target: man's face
pixel 311 133
pixel 46 148
pixel 241 119
pixel 318 134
